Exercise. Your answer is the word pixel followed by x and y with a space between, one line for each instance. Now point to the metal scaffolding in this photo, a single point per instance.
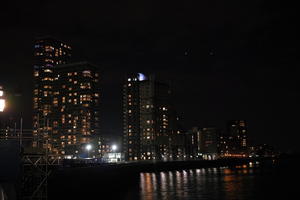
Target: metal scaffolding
pixel 36 164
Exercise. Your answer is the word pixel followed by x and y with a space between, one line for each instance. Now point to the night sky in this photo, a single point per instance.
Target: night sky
pixel 225 59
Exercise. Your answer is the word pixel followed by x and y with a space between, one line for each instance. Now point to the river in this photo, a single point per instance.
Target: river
pixel 246 182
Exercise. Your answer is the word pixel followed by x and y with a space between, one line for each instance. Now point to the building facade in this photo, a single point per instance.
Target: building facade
pixel 237 138
pixel 66 101
pixel 131 116
pixel 209 140
pixel 48 52
pixel 75 118
pixel 149 119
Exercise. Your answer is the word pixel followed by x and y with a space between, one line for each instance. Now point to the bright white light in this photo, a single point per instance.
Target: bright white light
pixel 1 93
pixel 141 77
pixel 2 105
pixel 114 147
pixel 88 147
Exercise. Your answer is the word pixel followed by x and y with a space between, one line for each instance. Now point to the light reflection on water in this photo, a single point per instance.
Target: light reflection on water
pixel 211 183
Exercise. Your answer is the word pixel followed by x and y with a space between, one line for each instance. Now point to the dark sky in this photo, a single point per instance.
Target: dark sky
pixel 226 59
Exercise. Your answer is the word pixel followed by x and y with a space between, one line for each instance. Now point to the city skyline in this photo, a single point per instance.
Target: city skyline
pixel 236 77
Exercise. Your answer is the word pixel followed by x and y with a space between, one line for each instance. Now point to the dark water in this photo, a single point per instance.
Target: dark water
pixel 241 183
pixel 268 180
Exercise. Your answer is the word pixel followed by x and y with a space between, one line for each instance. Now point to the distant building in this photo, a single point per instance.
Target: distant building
pixel 193 144
pixel 237 137
pixel 224 145
pixel 202 143
pixel 209 143
pixel 131 117
pixel 66 100
pixel 155 117
pixel 263 150
pixel 48 52
pixel 75 117
pixel 149 118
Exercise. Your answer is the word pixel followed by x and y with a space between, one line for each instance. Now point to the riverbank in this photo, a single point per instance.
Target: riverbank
pixel 118 180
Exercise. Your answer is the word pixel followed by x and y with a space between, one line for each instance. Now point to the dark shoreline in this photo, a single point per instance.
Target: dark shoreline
pixel 119 179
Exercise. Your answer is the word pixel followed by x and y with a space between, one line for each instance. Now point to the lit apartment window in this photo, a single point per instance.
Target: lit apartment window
pixel 36 92
pixel 86 73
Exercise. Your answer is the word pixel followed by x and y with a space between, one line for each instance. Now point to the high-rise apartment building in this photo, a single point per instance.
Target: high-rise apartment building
pixel 209 140
pixel 48 52
pixel 237 136
pixel 155 119
pixel 66 100
pixel 147 118
pixel 131 116
pixel 75 118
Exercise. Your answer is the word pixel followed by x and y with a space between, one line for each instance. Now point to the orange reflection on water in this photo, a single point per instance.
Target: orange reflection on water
pixel 147 186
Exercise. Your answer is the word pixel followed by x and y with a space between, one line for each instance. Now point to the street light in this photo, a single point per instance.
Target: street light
pixel 88 147
pixel 114 147
pixel 2 100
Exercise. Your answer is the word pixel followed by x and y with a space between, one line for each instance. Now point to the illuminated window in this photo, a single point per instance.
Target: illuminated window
pixel 86 73
pixel 36 73
pixel 36 92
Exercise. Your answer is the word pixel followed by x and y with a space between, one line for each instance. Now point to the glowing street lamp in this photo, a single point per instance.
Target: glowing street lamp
pixel 88 147
pixel 2 100
pixel 2 105
pixel 114 147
